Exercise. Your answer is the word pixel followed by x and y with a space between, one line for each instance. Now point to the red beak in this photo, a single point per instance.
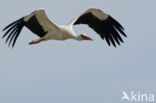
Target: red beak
pixel 88 38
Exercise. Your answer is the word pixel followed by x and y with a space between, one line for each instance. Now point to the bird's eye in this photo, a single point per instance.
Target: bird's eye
pixel 82 35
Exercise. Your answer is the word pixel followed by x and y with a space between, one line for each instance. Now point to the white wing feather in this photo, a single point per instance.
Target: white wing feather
pixel 96 12
pixel 43 20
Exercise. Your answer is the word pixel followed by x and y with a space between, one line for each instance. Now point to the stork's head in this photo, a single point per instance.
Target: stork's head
pixel 84 37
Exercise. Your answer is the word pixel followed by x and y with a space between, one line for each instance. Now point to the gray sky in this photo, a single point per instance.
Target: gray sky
pixel 78 72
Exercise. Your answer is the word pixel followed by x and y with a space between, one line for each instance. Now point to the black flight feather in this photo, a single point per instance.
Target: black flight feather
pixel 13 30
pixel 108 29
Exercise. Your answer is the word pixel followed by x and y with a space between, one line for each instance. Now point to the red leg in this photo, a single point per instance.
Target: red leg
pixel 36 41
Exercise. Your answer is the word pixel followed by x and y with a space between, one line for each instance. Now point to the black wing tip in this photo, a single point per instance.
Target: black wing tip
pixel 13 31
pixel 112 40
pixel 125 35
pixel 114 31
pixel 111 44
pixel 115 22
pixel 117 25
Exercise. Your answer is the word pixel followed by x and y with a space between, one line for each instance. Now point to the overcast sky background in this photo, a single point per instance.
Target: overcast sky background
pixel 79 72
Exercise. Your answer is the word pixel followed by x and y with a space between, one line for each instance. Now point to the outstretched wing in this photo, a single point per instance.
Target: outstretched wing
pixel 37 22
pixel 107 27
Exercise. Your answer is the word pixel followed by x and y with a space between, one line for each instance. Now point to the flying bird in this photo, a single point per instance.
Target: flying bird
pixel 103 24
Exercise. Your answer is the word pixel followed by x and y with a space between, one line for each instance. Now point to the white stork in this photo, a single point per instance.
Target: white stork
pixel 102 23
